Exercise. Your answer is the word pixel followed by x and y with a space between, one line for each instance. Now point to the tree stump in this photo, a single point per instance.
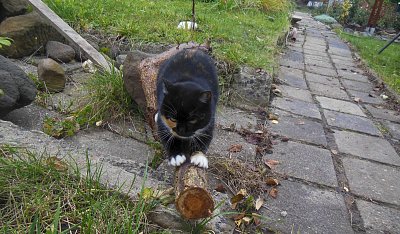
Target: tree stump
pixel 192 200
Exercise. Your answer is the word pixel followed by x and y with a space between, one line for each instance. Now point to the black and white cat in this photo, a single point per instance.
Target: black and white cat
pixel 187 96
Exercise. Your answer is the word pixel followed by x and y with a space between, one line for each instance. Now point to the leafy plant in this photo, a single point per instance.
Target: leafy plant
pixel 60 128
pixel 5 41
pixel 345 11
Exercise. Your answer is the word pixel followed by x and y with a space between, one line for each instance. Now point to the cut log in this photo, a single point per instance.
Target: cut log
pixel 192 200
pixel 140 72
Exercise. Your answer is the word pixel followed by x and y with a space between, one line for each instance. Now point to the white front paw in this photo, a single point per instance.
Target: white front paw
pixel 177 160
pixel 199 159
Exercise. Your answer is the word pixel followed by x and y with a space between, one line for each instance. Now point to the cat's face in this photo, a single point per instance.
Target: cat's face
pixel 185 109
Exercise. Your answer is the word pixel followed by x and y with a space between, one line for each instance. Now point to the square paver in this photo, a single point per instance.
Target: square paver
pixel 328 91
pixel 342 58
pixel 319 63
pixel 353 76
pixel 297 107
pixel 294 56
pixel 368 147
pixel 305 162
pixel 314 47
pixel 350 67
pixel 373 180
pixel 379 219
pixel 320 53
pixel 381 113
pixel 291 64
pixel 227 117
pixel 223 140
pixel 328 80
pixel 340 52
pixel 322 71
pixel 309 57
pixel 341 106
pixel 296 93
pixel 352 122
pixel 309 210
pixel 298 128
pixel 358 86
pixel 292 77
pixel 366 97
pixel 337 60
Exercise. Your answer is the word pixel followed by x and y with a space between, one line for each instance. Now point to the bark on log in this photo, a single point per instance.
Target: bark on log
pixel 140 77
pixel 192 200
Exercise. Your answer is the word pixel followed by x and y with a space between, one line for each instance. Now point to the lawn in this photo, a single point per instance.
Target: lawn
pixel 241 32
pixel 386 64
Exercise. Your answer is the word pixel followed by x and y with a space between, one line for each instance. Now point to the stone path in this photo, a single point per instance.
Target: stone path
pixel 342 160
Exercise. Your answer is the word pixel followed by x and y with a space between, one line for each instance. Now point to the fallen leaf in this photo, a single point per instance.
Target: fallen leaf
pixel 273 192
pixel 270 163
pixel 57 163
pixel 246 220
pixel 358 100
pixel 346 189
pixel 300 123
pixel 235 148
pixel 272 181
pixel 237 198
pixel 256 218
pixel 259 203
pixel 238 223
pixel 220 188
pixel 239 216
pixel 259 132
pixel 335 152
pixel 274 121
pixel 147 193
pixel 272 116
pixel 284 139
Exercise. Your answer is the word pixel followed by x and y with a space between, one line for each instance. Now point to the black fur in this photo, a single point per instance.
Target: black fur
pixel 187 92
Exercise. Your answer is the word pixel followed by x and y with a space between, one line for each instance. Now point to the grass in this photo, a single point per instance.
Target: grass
pixel 241 31
pixel 42 194
pixel 386 64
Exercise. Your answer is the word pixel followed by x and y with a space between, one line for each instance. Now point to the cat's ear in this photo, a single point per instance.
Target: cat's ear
pixel 167 86
pixel 205 97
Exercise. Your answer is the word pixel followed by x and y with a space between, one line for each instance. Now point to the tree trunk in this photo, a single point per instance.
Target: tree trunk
pixel 192 200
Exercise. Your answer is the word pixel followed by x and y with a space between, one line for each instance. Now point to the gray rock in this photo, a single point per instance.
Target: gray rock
pixel 120 60
pixel 52 74
pixel 59 51
pixel 251 87
pixel 29 32
pixel 17 89
pixel 12 8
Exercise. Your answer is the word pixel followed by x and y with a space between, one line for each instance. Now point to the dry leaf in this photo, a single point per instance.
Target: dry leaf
pixel 300 123
pixel 273 192
pixel 259 203
pixel 238 222
pixel 335 152
pixel 346 189
pixel 239 216
pixel 284 139
pixel 271 181
pixel 259 132
pixel 256 218
pixel 235 148
pixel 358 100
pixel 220 188
pixel 57 163
pixel 270 163
pixel 246 220
pixel 272 116
pixel 274 121
pixel 237 198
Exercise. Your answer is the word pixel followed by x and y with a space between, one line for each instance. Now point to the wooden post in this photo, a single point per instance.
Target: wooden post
pixel 375 13
pixel 73 37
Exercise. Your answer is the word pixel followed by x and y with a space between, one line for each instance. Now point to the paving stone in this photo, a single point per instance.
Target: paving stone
pixel 319 63
pixel 291 64
pixel 309 57
pixel 328 91
pixel 349 67
pixel 359 86
pixel 298 49
pixel 298 128
pixel 340 52
pixel 305 162
pixel 393 128
pixel 353 76
pixel 368 147
pixel 379 219
pixel 381 113
pixel 293 56
pixel 297 107
pixel 296 93
pixel 316 53
pixel 223 140
pixel 373 180
pixel 322 71
pixel 314 47
pixel 309 210
pixel 315 41
pixel 351 122
pixel 292 77
pixel 227 116
pixel 366 98
pixel 328 80
pixel 337 44
pixel 342 58
pixel 341 106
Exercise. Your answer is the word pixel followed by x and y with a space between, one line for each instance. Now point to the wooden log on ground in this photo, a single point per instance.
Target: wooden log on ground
pixel 140 72
pixel 192 200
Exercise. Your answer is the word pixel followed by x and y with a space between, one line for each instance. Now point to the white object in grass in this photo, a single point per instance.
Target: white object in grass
pixel 188 25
